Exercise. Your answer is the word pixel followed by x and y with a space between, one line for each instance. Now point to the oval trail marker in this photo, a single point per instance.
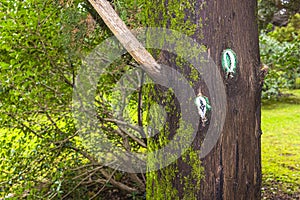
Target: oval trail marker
pixel 229 62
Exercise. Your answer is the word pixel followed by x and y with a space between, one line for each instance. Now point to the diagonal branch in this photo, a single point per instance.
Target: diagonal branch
pixel 126 38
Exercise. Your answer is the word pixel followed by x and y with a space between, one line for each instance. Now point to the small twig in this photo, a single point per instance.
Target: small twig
pixel 85 154
pixel 140 111
pixel 84 166
pixel 119 122
pixel 118 184
pixel 133 137
pixel 25 126
pixel 144 178
pixel 50 119
pixel 141 184
pixel 108 180
pixel 90 174
pixel 91 182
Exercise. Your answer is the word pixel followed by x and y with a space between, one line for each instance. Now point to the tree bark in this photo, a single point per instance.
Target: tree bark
pixel 233 168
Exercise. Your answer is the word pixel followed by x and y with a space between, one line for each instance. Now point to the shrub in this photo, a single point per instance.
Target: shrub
pixel 283 58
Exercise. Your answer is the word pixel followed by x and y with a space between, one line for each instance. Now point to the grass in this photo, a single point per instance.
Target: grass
pixel 281 144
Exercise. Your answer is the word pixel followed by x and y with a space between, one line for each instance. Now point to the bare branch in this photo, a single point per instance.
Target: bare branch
pixel 140 112
pixel 116 183
pixel 119 122
pixel 108 179
pixel 126 38
pixel 133 137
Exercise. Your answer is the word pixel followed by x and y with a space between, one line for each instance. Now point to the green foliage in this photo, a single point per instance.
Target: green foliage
pixel 283 58
pixel 289 33
pixel 266 10
pixel 130 11
pixel 281 143
pixel 276 12
pixel 40 49
pixel 297 83
pixel 279 22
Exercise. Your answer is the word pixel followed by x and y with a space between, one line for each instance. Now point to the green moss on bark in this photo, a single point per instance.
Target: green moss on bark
pixel 169 182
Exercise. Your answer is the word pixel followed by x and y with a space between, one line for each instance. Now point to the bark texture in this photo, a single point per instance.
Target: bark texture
pixel 232 170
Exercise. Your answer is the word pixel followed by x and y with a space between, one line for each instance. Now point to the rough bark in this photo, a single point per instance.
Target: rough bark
pixel 233 168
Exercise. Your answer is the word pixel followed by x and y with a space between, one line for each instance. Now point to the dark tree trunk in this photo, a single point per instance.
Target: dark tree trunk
pixel 232 170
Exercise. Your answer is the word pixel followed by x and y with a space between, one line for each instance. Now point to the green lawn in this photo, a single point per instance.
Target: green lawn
pixel 281 144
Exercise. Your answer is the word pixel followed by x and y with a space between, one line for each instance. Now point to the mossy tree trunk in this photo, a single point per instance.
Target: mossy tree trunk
pixel 232 170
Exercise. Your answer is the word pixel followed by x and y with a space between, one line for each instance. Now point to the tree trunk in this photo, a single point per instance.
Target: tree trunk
pixel 232 170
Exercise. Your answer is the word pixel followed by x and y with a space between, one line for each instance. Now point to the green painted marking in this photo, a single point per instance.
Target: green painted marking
pixel 229 62
pixel 203 105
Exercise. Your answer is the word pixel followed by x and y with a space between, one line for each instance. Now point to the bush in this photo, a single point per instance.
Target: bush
pixel 283 58
pixel 42 157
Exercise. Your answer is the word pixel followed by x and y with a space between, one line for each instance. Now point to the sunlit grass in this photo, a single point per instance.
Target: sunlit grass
pixel 281 142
